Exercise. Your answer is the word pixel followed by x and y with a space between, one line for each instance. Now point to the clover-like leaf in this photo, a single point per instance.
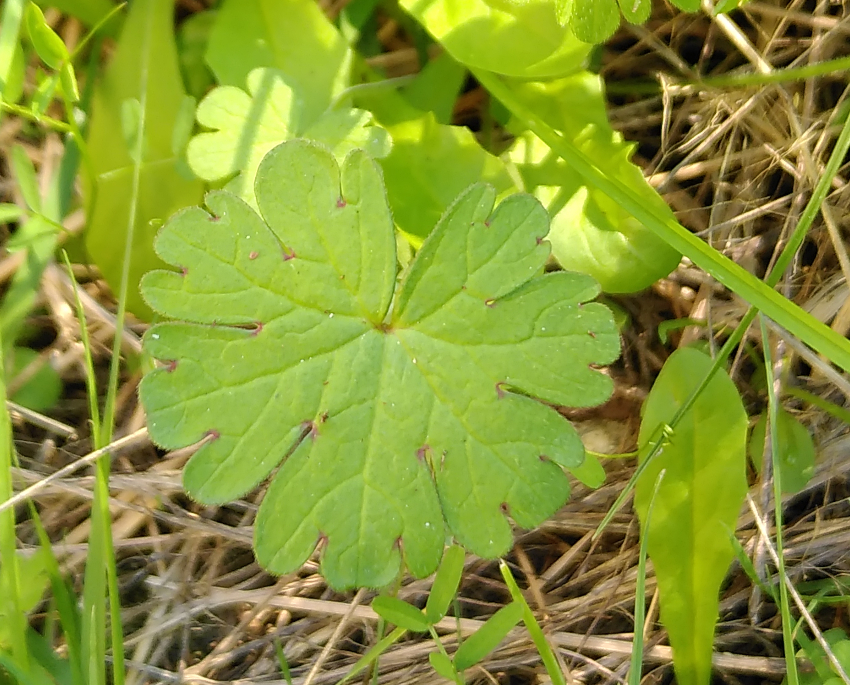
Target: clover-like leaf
pixel 399 411
pixel 245 126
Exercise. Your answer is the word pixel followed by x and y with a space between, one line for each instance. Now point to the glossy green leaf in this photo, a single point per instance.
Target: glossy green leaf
pixel 520 39
pixel 795 453
pixel 698 501
pixel 590 232
pixel 485 640
pixel 144 71
pixel 293 36
pixel 401 614
pixel 49 46
pixel 399 417
pixel 594 21
pixel 43 389
pixel 442 665
pixel 429 165
pixel 636 11
pixel 245 126
pixel 445 583
pixel 437 87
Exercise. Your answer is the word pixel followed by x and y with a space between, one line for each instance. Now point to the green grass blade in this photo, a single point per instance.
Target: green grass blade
pixel 550 662
pixel 792 676
pixel 635 669
pixel 372 655
pixel 14 616
pixel 10 26
pixel 760 295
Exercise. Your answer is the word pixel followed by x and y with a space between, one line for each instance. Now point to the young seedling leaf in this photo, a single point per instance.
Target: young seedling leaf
pixel 521 39
pixel 293 36
pixel 698 501
pixel 443 666
pixel 144 69
pixel 590 233
pixel 484 640
pixel 401 614
pixel 445 583
pixel 403 409
pixel 795 453
pixel 49 47
pixel 245 126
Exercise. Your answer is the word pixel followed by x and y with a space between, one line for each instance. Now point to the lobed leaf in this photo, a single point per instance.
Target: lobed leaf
pixel 245 126
pixel 398 411
pixel 294 37
pixel 698 502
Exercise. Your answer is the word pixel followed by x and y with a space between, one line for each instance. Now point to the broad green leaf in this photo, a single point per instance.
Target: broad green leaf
pixel 436 88
pixel 290 35
pixel 445 583
pixel 795 453
pixel 687 5
pixel 245 126
pixel 405 408
pixel 401 614
pixel 43 389
pixel 520 39
pixel 49 46
pixel 698 501
pixel 485 640
pixel 590 232
pixel 429 165
pixel 144 71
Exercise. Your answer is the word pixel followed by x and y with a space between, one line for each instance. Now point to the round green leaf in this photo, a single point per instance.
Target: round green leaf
pixel 514 38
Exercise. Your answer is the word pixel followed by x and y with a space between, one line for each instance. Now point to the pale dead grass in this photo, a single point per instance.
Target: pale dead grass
pixel 737 166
